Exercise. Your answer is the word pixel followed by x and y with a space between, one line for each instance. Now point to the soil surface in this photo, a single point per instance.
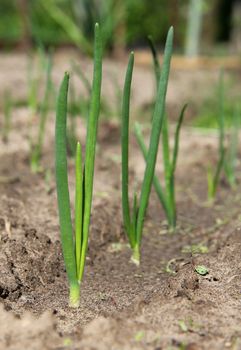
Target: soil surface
pixel 163 304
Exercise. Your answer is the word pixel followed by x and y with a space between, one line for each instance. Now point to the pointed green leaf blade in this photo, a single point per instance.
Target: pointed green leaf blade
pixel 91 139
pixel 155 134
pixel 125 147
pixel 78 206
pixel 62 186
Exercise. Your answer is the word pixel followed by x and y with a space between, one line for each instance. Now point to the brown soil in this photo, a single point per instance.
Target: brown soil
pixel 163 304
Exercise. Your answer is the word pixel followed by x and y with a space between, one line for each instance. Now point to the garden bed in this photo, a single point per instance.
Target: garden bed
pixel 163 304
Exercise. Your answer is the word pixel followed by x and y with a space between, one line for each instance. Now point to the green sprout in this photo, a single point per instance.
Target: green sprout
pixel 201 270
pixel 134 221
pixel 75 246
pixel 44 109
pixel 230 162
pixel 7 109
pixel 214 174
pixel 139 336
pixel 167 196
pixel 228 146
pixel 33 78
pixel 195 249
pixel 183 326
pixel 32 99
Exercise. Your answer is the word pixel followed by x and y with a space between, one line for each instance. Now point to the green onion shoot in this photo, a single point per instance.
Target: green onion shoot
pixel 134 220
pixel 166 195
pixel 213 175
pixel 36 152
pixel 75 244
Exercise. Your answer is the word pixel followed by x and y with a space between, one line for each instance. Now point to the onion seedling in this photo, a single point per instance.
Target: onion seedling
pixel 167 195
pixel 32 100
pixel 134 221
pixel 214 174
pixel 230 161
pixel 34 77
pixel 37 147
pixel 75 246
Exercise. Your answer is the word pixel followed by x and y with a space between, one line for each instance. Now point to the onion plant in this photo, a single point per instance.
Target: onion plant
pixel 34 74
pixel 75 244
pixel 214 174
pixel 230 161
pixel 134 220
pixel 166 195
pixel 32 100
pixel 44 109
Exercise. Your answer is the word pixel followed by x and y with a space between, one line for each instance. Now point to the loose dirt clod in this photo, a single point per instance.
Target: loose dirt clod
pixel 27 332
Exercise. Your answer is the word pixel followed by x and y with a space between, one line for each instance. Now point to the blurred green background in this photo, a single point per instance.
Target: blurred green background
pixel 25 23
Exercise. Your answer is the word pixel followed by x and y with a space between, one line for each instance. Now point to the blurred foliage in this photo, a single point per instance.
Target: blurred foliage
pixel 150 17
pixel 10 22
pixel 123 22
pixel 43 29
pixel 54 22
pixel 208 115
